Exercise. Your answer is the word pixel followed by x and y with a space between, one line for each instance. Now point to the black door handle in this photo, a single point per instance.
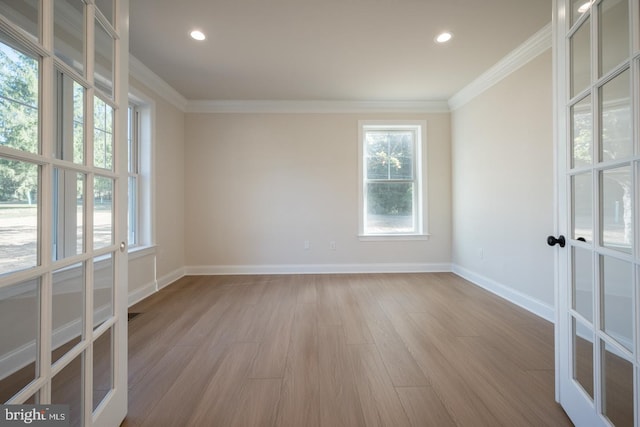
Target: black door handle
pixel 551 241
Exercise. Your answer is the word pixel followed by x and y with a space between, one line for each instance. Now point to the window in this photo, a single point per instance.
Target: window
pixel 140 160
pixel 391 183
pixel 133 147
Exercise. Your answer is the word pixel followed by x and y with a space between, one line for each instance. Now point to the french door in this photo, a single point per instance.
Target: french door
pixel 63 206
pixel 598 174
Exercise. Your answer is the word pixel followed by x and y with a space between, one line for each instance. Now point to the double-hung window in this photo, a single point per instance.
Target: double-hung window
pixel 391 178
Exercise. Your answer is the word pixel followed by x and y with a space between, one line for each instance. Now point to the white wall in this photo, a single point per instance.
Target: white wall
pixel 502 167
pixel 259 185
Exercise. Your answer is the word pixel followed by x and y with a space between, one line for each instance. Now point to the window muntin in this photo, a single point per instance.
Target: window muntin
pixel 391 178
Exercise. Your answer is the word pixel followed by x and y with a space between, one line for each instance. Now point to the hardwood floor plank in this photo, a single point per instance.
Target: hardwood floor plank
pixel 339 401
pixel 183 396
pixel 257 404
pixel 216 408
pixel 380 403
pixel 423 407
pixel 300 400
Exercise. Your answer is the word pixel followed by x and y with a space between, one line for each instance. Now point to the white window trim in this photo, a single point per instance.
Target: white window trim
pixel 146 174
pixel 421 208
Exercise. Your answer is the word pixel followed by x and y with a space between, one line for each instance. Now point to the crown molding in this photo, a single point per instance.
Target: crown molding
pixel 327 107
pixel 537 44
pixel 150 79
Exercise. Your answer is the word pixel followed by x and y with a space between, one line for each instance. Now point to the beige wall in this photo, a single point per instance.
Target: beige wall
pixel 502 159
pixel 168 204
pixel 258 185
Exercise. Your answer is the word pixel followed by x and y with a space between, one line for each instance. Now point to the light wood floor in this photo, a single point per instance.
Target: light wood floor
pixel 338 350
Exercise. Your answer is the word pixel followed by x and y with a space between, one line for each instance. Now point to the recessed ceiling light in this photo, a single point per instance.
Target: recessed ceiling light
pixel 197 35
pixel 444 37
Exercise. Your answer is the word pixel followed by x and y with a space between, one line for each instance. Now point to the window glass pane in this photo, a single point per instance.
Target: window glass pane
pixel 389 208
pixel 583 356
pixel 68 32
pixel 68 213
pixel 583 282
pixel 102 134
pixel 106 7
pixel 133 210
pixel 102 289
pixel 616 209
pixel 580 59
pixel 20 317
pixel 102 367
pixel 67 389
pixel 617 295
pixel 69 119
pixel 103 60
pixel 582 133
pixel 68 309
pixel 390 154
pixel 614 33
pixel 582 208
pixel 615 118
pixel 103 212
pixel 23 13
pixel 18 100
pixel 18 215
pixel 617 384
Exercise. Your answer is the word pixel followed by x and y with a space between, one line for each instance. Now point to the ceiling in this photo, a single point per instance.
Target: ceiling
pixel 329 50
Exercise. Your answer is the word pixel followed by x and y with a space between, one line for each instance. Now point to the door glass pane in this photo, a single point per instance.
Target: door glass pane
pixel 614 33
pixel 106 7
pixel 23 13
pixel 582 207
pixel 67 389
pixel 68 309
pixel 617 384
pixel 583 356
pixel 103 212
pixel 70 119
pixel 582 133
pixel 102 134
pixel 103 289
pixel 389 208
pixel 102 367
pixel 18 215
pixel 579 8
pixel 580 59
pixel 68 213
pixel 615 209
pixel 583 282
pixel 20 317
pixel 68 32
pixel 617 316
pixel 104 60
pixel 18 100
pixel 615 118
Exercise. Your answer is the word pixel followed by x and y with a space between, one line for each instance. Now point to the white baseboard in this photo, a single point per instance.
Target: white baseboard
pixel 143 292
pixel 533 305
pixel 171 277
pixel 203 270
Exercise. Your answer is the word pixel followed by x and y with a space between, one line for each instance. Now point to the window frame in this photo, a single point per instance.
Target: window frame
pixel 419 128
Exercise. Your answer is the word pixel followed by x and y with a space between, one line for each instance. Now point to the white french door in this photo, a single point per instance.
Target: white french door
pixel 63 206
pixel 597 70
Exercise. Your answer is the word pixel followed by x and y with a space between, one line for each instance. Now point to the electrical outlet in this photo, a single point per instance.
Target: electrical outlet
pixel 332 245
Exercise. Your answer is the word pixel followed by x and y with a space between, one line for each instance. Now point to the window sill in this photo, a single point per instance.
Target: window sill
pixel 136 252
pixel 392 237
